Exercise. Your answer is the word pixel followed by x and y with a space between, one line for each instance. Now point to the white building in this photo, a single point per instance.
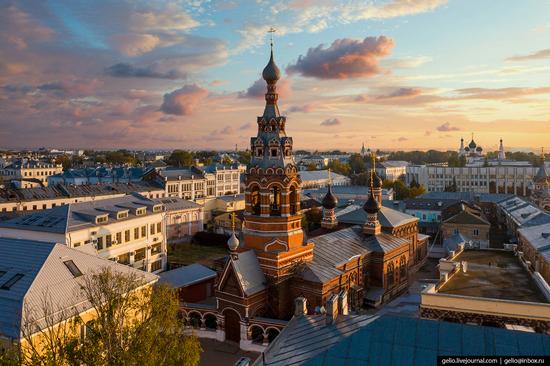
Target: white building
pixel 320 178
pixel 30 172
pixel 391 170
pixel 480 179
pixel 130 229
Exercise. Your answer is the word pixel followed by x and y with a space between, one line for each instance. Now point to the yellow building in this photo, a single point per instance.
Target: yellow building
pixel 28 171
pixel 40 287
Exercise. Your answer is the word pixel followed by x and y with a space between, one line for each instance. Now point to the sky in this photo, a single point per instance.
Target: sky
pixel 392 74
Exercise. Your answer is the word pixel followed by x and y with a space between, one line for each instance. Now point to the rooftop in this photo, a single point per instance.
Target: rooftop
pixel 186 275
pixel 391 340
pixel 492 274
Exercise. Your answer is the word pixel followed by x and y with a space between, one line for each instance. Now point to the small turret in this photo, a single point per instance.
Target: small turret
pixel 330 201
pixel 372 206
pixel 233 243
pixel 375 182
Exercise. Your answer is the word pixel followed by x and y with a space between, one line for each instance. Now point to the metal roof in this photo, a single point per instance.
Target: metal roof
pixel 186 275
pixel 77 216
pixel 248 271
pixel 539 238
pixel 46 277
pixel 388 217
pixel 391 340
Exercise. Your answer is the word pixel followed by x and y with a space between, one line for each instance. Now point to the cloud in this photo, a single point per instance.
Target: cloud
pixel 18 28
pixel 344 59
pixel 183 101
pixel 428 133
pixel 259 88
pixel 245 126
pixel 446 127
pixel 136 44
pixel 395 95
pixel 71 88
pixel 499 93
pixel 304 108
pixel 401 139
pixel 331 122
pixel 531 56
pixel 126 70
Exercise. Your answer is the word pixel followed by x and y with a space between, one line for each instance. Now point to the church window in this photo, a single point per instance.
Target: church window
pixel 255 200
pixel 390 274
pixel 293 201
pixel 275 201
pixel 402 268
pixel 259 152
pixel 273 152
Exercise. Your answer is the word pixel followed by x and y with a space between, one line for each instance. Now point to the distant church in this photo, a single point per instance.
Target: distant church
pixel 540 193
pixel 273 262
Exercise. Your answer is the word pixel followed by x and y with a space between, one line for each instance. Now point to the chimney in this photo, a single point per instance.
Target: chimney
pixel 300 305
pixel 332 309
pixel 343 302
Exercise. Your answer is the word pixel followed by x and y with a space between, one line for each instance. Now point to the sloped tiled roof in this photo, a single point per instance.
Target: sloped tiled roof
pixel 338 247
pixel 46 277
pixel 186 275
pixel 384 243
pixel 468 216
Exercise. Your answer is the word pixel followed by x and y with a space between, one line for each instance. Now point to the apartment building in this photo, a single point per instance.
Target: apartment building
pixel 199 182
pixel 534 243
pixel 129 230
pixel 493 179
pixel 30 173
pixel 99 175
pixel 183 218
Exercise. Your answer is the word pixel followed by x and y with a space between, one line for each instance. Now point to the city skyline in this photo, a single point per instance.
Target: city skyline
pixel 393 74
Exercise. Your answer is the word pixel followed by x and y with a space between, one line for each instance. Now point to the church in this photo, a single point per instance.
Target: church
pixel 274 262
pixel 540 194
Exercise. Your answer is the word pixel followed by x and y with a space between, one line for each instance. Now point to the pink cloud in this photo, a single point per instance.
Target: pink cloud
pixel 344 59
pixel 531 56
pixel 330 122
pixel 183 101
pixel 446 127
pixel 259 88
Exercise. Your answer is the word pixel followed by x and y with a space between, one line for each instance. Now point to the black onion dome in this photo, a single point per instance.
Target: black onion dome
pixel 372 205
pixel 271 72
pixel 479 148
pixel 329 201
pixel 472 144
pixel 466 148
pixel 377 183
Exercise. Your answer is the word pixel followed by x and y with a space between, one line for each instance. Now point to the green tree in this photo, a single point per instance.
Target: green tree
pixel 132 327
pixel 65 161
pixel 311 166
pixel 339 167
pixel 244 157
pixel 180 158
pixel 357 164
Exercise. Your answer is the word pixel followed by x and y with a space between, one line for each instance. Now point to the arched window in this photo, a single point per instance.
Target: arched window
pixel 275 201
pixel 390 274
pixel 402 267
pixel 255 200
pixel 293 201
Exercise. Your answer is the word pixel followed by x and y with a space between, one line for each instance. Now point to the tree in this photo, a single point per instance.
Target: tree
pixel 244 157
pixel 180 158
pixel 338 167
pixel 128 324
pixel 357 164
pixel 132 327
pixel 311 166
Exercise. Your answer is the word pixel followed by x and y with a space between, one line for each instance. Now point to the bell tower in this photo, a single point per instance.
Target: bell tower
pixel 272 219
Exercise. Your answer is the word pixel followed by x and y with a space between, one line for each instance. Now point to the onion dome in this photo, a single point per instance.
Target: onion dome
pixel 479 149
pixel 376 183
pixel 372 205
pixel 472 144
pixel 233 242
pixel 329 201
pixel 466 148
pixel 271 72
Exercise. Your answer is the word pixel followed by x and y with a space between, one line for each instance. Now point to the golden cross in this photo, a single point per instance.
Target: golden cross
pixel 271 30
pixel 233 221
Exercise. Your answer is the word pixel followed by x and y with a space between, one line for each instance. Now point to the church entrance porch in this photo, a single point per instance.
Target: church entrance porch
pixel 232 325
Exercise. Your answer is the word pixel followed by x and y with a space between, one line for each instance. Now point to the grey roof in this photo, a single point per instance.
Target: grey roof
pixel 78 216
pixel 384 243
pixel 468 196
pixel 176 203
pixel 74 191
pixel 539 238
pixel 392 164
pixel 317 272
pixel 313 175
pixel 248 271
pixel 452 242
pixel 388 217
pixel 392 340
pixel 46 277
pixel 114 174
pixel 338 247
pixel 186 275
pixel 179 173
pixel 431 204
pixel 232 198
pixel 524 213
pixel 468 216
